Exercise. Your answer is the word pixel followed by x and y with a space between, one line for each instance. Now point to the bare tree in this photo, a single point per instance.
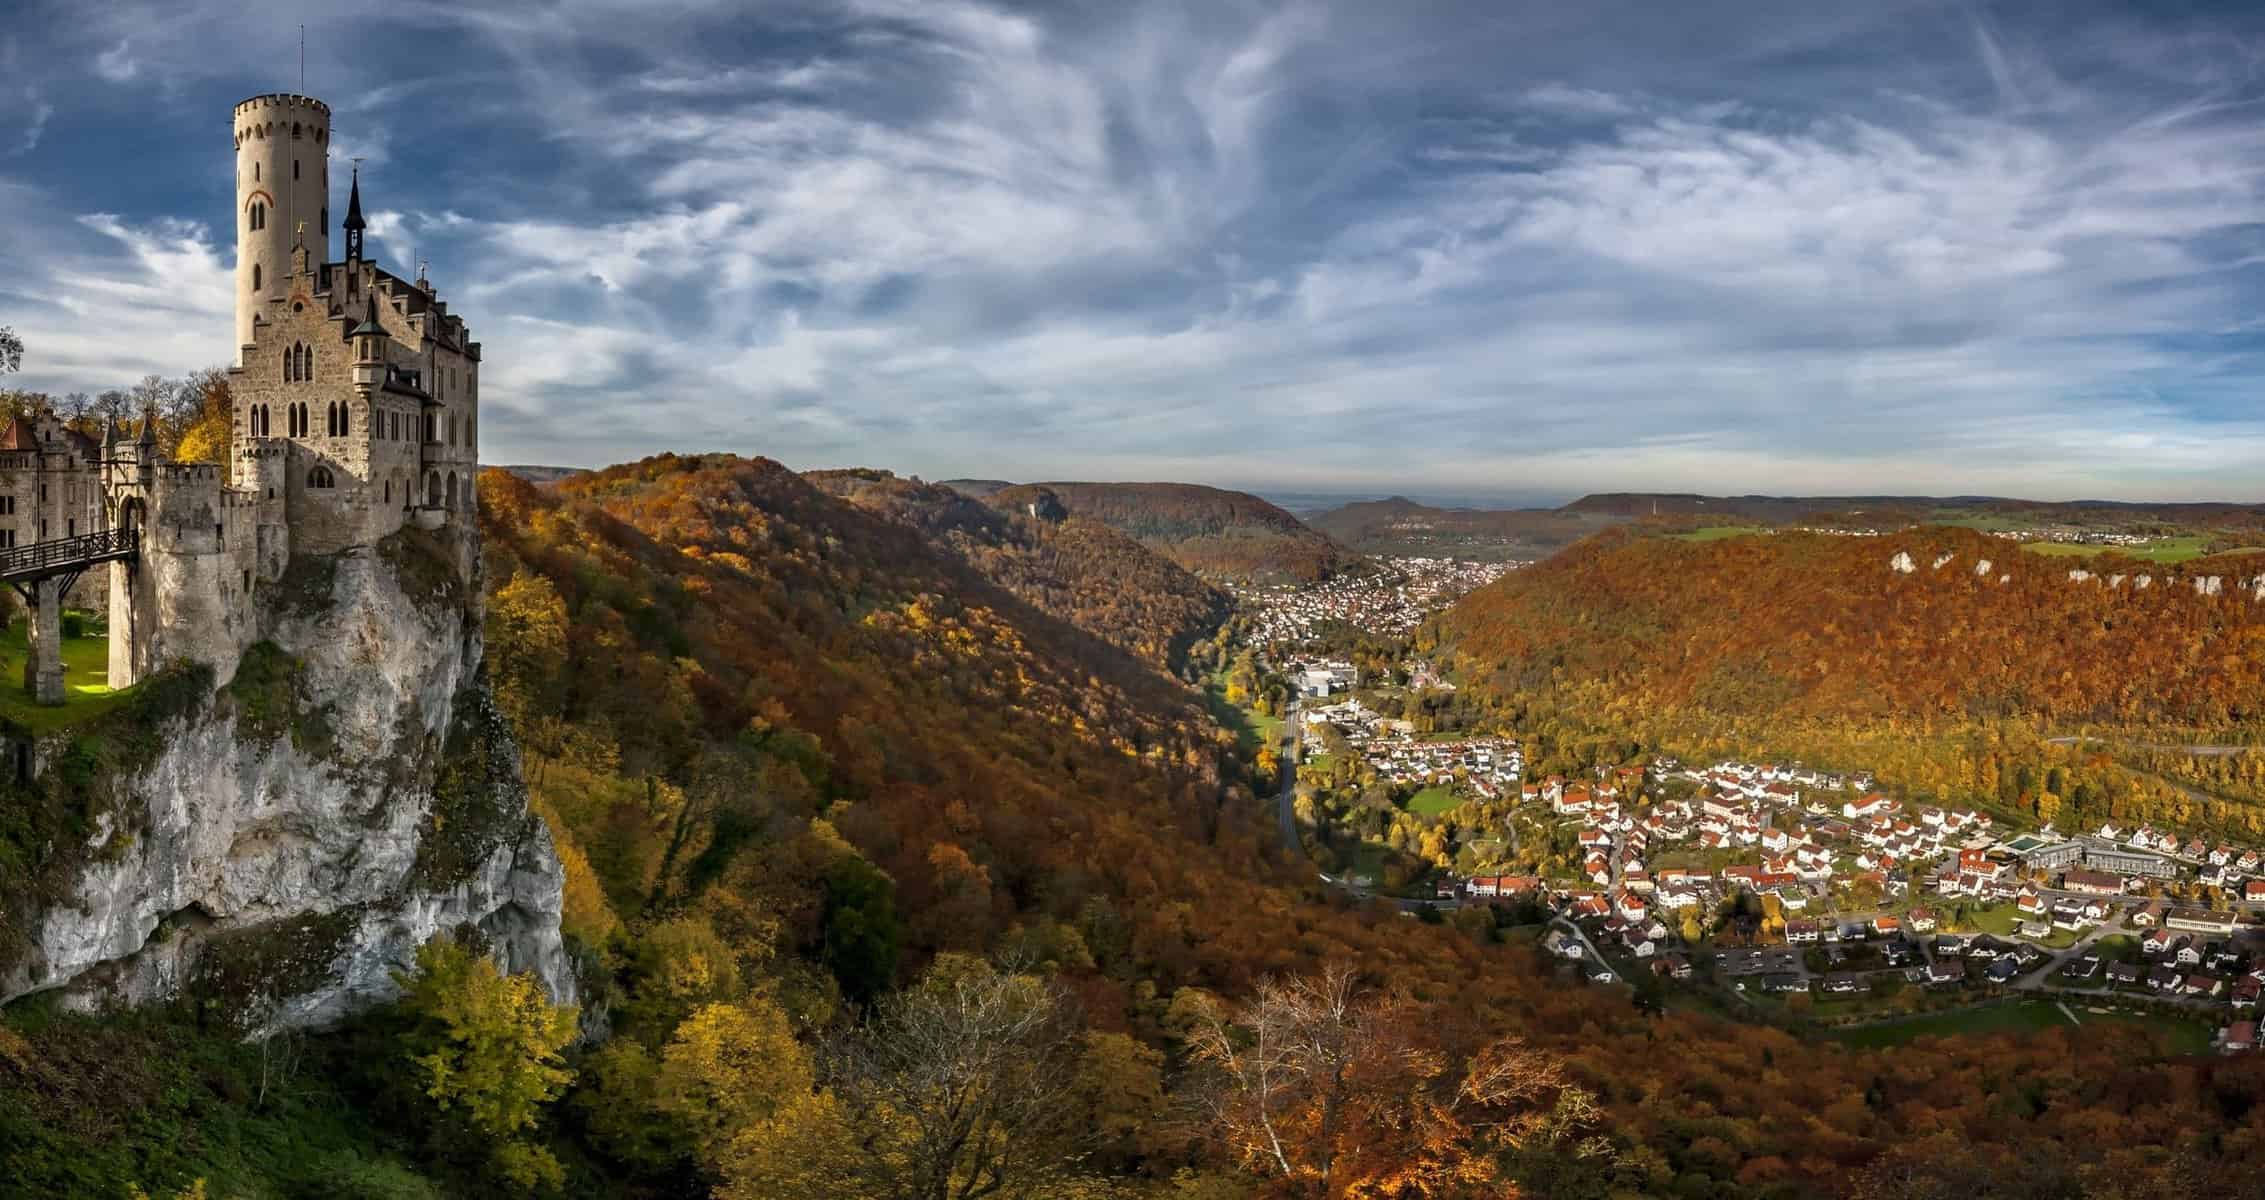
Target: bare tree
pixel 11 351
pixel 960 1088
pixel 1335 1091
pixel 1287 1062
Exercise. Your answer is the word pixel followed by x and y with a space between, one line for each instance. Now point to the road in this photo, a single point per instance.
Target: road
pixel 2197 750
pixel 1597 956
pixel 1287 808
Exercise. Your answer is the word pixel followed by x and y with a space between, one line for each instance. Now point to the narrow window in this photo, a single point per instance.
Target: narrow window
pixel 255 277
pixel 294 170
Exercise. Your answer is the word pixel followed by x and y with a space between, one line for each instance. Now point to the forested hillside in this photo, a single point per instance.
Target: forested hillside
pixel 1401 526
pixel 1957 683
pixel 889 884
pixel 1215 533
pixel 1077 569
pixel 1797 626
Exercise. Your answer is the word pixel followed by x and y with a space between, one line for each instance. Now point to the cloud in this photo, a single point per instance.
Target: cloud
pixel 1767 246
pixel 117 64
pixel 1576 101
pixel 35 122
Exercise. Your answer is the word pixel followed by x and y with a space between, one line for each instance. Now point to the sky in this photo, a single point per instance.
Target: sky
pixel 1491 248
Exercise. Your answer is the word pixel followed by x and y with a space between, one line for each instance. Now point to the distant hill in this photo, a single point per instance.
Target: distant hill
pixel 977 488
pixel 539 474
pixel 1893 510
pixel 1796 625
pixel 1400 526
pixel 1210 531
pixel 1078 570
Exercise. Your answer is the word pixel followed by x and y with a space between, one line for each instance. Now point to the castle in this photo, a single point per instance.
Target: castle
pixel 355 412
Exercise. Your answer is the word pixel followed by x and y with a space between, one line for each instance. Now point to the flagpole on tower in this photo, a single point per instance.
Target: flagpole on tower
pixel 302 60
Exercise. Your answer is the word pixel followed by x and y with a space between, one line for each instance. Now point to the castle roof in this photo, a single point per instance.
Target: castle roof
pixel 369 323
pixel 354 202
pixel 18 436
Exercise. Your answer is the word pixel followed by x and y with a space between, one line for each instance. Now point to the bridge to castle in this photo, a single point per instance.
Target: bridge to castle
pixel 41 573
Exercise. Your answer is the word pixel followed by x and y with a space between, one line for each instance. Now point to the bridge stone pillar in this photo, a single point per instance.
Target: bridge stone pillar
pixel 43 666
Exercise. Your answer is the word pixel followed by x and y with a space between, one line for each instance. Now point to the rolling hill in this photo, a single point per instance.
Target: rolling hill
pixel 1076 569
pixel 1400 526
pixel 1213 532
pixel 1806 626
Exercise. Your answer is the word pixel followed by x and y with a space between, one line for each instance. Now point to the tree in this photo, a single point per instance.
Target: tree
pixel 199 418
pixel 11 351
pixel 486 1049
pixel 862 931
pixel 962 1086
pixel 1120 1091
pixel 1334 1092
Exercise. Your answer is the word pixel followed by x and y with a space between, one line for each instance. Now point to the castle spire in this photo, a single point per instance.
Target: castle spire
pixel 354 221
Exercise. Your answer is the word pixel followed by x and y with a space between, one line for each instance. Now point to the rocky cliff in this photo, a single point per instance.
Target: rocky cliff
pixel 273 836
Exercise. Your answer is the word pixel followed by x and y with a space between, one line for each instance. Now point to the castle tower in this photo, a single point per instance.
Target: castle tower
pixel 282 178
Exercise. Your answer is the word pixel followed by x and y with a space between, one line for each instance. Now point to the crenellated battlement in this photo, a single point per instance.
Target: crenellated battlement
pixel 270 102
pixel 188 472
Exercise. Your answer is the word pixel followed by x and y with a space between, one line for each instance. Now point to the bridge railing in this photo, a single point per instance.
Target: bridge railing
pixel 59 554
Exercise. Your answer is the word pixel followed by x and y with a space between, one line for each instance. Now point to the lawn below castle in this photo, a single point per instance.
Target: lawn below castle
pixel 86 681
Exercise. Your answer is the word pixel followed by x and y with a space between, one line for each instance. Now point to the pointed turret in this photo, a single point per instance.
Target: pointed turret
pixel 149 428
pixel 369 347
pixel 354 222
pixel 369 326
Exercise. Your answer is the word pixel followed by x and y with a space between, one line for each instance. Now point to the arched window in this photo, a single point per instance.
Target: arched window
pixel 290 360
pixel 307 362
pixel 320 477
pixel 255 172
pixel 345 420
pixel 294 131
pixel 452 489
pixel 432 489
pixel 330 419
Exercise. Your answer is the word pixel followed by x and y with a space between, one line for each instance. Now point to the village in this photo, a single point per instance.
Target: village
pixel 1773 883
pixel 1779 891
pixel 1391 602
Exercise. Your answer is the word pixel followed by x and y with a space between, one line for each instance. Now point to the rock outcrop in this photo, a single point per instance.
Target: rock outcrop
pixel 275 835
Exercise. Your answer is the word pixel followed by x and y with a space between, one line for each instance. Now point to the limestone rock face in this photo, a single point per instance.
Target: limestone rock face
pixel 278 845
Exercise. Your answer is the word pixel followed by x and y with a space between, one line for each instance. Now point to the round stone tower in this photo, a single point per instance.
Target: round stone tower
pixel 282 178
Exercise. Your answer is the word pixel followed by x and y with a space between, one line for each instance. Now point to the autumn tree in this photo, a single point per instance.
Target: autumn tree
pixel 485 1048
pixel 200 418
pixel 965 1085
pixel 1335 1091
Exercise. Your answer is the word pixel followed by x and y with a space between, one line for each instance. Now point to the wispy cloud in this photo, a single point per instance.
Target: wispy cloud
pixel 1757 246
